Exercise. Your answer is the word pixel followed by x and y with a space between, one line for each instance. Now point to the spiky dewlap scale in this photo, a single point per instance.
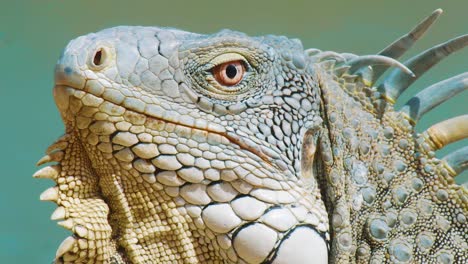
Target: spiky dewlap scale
pixel 304 160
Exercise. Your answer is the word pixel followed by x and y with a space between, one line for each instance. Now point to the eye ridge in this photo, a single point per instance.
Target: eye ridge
pixel 229 73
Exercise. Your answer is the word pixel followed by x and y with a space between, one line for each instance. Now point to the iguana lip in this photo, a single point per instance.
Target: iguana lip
pixel 155 112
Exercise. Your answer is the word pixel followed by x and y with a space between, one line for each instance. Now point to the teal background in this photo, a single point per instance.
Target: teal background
pixel 32 34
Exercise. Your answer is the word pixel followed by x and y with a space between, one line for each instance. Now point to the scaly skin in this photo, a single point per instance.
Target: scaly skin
pixel 301 162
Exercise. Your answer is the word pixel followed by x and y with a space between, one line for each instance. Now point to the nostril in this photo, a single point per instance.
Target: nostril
pixel 98 58
pixel 101 57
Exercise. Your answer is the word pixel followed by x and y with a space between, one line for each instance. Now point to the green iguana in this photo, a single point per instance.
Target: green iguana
pixel 225 148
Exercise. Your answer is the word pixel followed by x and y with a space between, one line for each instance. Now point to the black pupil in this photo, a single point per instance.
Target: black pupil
pixel 231 71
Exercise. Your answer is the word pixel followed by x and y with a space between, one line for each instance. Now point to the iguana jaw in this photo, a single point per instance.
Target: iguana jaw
pixel 63 90
pixel 110 179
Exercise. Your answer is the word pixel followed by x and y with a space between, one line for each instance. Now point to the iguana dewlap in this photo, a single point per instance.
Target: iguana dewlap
pixel 225 148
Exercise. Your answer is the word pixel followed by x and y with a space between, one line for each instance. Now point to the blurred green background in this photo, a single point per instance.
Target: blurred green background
pixel 32 34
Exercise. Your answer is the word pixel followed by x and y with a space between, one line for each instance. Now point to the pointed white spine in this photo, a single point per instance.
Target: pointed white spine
pixel 60 144
pixel 51 194
pixel 54 156
pixel 58 214
pixel 65 246
pixel 44 160
pixel 49 172
pixel 67 224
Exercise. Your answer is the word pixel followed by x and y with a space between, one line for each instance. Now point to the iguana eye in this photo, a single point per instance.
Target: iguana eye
pixel 229 73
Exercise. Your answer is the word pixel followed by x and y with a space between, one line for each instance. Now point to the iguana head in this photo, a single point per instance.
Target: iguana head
pixel 215 83
pixel 224 147
pixel 208 129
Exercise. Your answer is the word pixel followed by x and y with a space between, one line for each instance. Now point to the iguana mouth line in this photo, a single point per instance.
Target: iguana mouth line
pixel 231 137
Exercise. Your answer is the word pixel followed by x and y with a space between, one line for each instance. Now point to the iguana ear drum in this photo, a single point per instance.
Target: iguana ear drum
pixel 308 156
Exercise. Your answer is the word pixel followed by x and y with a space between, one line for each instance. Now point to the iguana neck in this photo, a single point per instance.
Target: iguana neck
pixel 361 156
